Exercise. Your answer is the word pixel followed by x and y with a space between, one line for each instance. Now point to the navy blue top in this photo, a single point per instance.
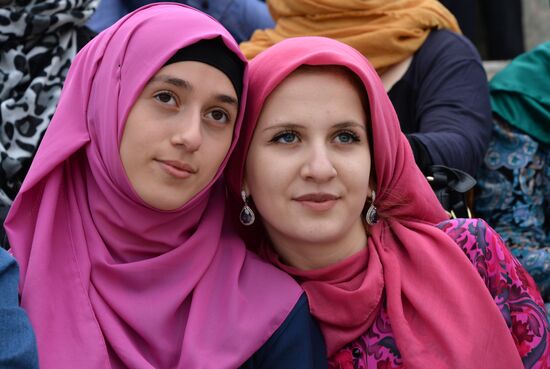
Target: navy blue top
pixel 442 102
pixel 17 341
pixel 296 344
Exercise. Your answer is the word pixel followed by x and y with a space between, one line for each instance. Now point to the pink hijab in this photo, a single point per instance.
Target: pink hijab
pixel 109 282
pixel 441 312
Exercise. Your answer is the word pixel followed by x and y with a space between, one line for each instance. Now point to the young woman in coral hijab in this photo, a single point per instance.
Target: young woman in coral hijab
pixel 119 228
pixel 341 206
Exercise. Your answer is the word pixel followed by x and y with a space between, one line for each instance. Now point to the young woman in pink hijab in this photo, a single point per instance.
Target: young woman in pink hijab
pixel 127 259
pixel 333 197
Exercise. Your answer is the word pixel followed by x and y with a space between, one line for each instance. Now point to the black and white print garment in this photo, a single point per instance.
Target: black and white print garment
pixel 38 41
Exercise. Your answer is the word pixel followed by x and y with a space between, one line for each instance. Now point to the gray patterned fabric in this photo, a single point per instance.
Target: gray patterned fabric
pixel 38 40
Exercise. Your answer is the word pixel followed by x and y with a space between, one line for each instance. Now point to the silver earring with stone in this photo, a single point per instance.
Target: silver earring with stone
pixel 247 216
pixel 372 215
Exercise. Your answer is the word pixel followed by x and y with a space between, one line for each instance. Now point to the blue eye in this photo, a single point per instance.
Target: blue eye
pixel 287 137
pixel 347 137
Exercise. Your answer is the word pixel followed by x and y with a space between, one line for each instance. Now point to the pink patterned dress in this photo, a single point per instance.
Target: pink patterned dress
pixel 513 290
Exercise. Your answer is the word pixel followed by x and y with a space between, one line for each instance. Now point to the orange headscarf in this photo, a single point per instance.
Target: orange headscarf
pixel 385 31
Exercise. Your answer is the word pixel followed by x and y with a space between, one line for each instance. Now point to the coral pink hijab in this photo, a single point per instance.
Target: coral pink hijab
pixel 441 313
pixel 108 281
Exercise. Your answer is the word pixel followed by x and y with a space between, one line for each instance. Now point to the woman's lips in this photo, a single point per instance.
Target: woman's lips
pixel 317 201
pixel 177 169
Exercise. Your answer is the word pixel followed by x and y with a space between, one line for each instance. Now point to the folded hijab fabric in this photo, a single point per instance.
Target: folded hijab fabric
pixel 108 281
pixel 440 310
pixel 38 40
pixel 520 99
pixel 387 32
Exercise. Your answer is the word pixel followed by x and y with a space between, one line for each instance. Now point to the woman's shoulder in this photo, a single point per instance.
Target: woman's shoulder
pixel 444 42
pixel 444 52
pixel 270 279
pixel 446 57
pixel 488 253
pixel 512 288
pixel 481 243
pixel 470 233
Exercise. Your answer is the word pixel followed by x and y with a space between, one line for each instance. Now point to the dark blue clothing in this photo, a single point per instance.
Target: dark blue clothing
pixel 495 24
pixel 296 344
pixel 17 341
pixel 442 102
pixel 106 14
pixel 240 17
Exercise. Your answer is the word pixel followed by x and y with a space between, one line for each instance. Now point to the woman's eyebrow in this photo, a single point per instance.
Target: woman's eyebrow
pixel 284 125
pixel 227 99
pixel 349 124
pixel 177 82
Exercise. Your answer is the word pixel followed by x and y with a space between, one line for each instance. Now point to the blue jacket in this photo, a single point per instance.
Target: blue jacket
pixel 17 341
pixel 240 17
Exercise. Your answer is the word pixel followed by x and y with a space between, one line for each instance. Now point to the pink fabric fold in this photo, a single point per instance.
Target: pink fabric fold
pixel 343 297
pixel 440 310
pixel 108 281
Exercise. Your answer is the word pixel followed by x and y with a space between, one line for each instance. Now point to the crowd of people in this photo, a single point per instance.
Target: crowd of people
pixel 172 199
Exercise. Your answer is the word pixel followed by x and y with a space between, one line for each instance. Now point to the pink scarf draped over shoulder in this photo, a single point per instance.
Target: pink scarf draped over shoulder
pixel 108 281
pixel 441 313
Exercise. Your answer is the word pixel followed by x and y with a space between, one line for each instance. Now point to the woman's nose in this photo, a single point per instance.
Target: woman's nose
pixel 319 166
pixel 188 132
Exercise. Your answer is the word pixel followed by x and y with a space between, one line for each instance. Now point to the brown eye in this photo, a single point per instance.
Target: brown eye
pixel 165 98
pixel 219 116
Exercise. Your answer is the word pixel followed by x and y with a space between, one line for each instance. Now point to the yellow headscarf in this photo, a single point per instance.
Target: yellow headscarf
pixel 385 31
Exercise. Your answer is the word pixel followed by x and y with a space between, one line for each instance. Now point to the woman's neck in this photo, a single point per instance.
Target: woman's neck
pixel 305 255
pixel 395 73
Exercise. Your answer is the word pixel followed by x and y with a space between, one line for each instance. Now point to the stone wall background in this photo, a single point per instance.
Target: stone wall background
pixel 536 22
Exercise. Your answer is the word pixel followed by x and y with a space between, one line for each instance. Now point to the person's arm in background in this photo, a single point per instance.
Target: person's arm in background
pixel 443 104
pixel 17 341
pixel 243 17
pixel 240 17
pixel 106 14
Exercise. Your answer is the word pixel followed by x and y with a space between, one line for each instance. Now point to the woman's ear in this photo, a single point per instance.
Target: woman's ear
pixel 244 187
pixel 372 184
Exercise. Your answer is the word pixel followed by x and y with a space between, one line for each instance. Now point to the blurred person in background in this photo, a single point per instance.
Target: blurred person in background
pixel 513 192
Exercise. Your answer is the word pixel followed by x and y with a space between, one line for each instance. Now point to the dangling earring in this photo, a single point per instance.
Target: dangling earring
pixel 372 215
pixel 247 216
